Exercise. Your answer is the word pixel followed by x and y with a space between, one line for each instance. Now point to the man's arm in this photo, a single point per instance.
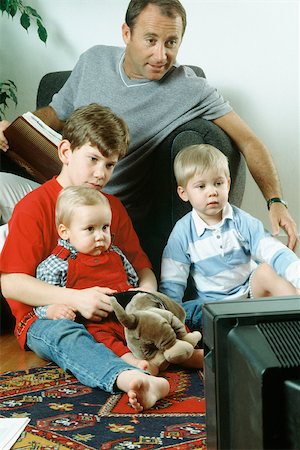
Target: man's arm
pixel 46 114
pixel 263 170
pixel 92 303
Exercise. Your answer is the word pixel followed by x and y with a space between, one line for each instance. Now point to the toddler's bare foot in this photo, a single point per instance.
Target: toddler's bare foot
pixel 146 390
pixel 143 390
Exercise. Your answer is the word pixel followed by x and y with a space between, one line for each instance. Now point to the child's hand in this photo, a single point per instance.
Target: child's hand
pixel 56 312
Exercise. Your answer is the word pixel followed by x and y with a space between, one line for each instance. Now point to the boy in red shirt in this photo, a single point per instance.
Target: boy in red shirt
pixel 93 141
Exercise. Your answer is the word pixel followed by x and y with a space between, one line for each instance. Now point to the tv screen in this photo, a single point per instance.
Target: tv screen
pixel 252 373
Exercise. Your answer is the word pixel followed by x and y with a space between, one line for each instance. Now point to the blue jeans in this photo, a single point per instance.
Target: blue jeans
pixel 74 349
pixel 193 309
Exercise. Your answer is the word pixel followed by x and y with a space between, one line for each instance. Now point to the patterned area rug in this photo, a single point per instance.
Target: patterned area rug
pixel 65 414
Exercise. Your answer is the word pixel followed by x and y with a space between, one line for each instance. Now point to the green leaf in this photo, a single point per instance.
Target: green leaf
pixel 4 84
pixel 13 96
pixel 42 32
pixel 8 91
pixel 25 21
pixel 11 82
pixel 13 8
pixel 4 5
pixel 3 96
pixel 32 12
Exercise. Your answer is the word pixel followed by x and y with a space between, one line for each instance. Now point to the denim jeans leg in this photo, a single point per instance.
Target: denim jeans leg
pixel 73 348
pixel 193 309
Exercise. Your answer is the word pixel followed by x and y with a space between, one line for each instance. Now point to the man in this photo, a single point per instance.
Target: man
pixel 143 85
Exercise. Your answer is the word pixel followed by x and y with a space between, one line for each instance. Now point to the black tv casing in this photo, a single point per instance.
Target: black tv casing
pixel 252 373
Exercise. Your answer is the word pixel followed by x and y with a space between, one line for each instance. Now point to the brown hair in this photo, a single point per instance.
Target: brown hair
pixel 169 8
pixel 98 126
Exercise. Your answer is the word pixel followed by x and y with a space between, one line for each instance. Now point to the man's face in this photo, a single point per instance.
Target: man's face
pixel 152 45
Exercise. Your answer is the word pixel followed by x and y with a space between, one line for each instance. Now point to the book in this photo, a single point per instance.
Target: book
pixel 33 146
pixel 10 431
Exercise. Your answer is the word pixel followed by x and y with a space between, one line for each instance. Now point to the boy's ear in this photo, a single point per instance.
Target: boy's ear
pixel 63 232
pixel 64 151
pixel 229 183
pixel 182 193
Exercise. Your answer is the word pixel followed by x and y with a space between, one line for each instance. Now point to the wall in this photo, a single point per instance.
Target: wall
pixel 249 50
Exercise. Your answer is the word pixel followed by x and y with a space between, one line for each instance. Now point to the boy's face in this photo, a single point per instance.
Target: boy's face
pixel 89 230
pixel 208 194
pixel 85 166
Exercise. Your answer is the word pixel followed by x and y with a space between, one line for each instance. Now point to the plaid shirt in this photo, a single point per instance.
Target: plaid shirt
pixel 54 270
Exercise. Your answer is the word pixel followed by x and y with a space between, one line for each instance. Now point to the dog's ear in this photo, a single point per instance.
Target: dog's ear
pixel 129 321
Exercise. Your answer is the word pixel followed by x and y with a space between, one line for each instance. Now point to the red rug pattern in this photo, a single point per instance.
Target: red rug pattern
pixel 64 414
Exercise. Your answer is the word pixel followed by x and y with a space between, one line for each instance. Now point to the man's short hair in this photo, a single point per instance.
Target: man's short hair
pixel 169 8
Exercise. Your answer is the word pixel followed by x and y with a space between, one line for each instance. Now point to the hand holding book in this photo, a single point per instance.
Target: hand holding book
pixel 33 146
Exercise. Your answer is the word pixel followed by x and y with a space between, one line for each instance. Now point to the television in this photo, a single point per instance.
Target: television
pixel 252 373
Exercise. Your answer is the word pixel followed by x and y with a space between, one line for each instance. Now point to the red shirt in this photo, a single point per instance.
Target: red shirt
pixel 32 237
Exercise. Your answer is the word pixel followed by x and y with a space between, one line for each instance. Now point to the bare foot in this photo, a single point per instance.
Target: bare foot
pixel 143 390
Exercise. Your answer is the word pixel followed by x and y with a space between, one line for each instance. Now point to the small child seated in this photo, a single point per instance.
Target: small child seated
pixel 227 253
pixel 85 257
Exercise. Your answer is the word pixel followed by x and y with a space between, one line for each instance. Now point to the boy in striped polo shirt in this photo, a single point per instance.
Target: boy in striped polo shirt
pixel 227 253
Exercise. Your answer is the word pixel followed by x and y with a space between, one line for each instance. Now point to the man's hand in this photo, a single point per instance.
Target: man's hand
pixel 3 141
pixel 280 218
pixel 94 303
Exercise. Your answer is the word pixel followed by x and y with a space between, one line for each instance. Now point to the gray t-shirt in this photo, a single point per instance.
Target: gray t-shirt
pixel 151 109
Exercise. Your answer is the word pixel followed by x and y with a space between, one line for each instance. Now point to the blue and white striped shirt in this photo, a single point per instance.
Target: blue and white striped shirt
pixel 221 258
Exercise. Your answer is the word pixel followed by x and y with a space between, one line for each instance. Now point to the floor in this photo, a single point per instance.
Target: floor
pixel 13 358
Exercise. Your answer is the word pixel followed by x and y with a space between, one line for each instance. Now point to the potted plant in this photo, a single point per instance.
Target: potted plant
pixel 8 89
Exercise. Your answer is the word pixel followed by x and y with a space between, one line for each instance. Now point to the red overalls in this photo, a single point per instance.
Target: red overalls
pixel 105 270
